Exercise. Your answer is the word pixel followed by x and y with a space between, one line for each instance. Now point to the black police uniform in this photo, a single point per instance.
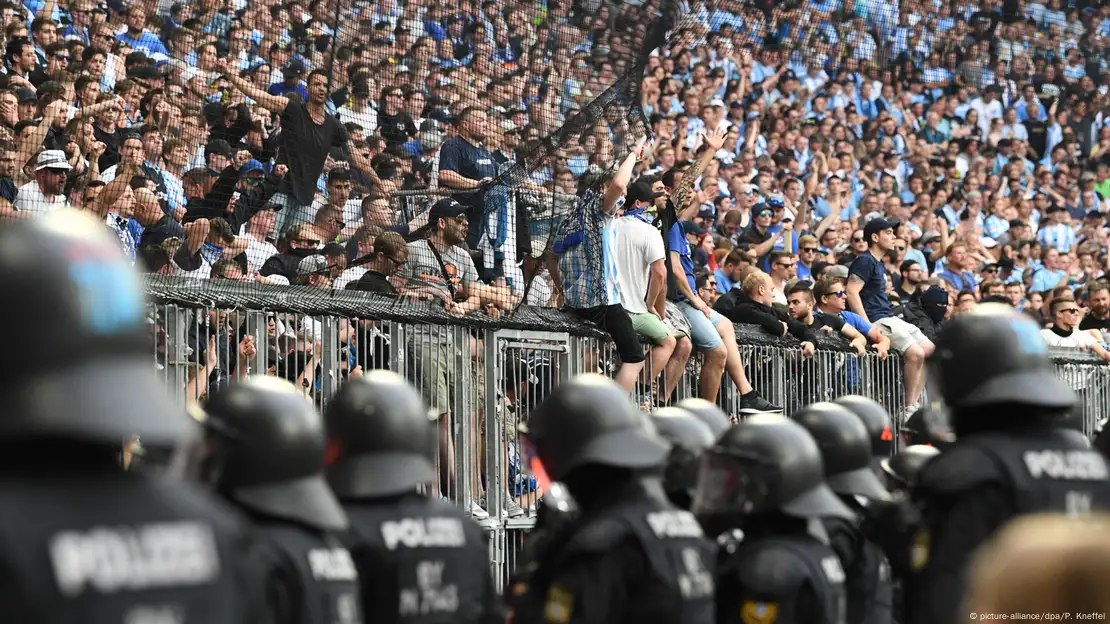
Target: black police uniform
pixel 266 455
pixel 846 447
pixel 420 560
pixel 631 556
pixel 1011 455
pixel 80 539
pixel 689 437
pixel 765 476
pixel 929 425
pixel 555 512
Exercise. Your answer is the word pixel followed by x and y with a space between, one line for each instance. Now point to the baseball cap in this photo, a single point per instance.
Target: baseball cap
pixel 446 208
pixel 838 270
pixel 762 207
pixel 52 159
pixel 312 264
pixel 24 95
pixel 251 166
pixel 640 190
pixel 706 213
pixel 295 68
pixel 877 225
pixel 691 227
pixel 792 282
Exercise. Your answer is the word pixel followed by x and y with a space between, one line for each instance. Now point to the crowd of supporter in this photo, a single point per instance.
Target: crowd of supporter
pixel 865 168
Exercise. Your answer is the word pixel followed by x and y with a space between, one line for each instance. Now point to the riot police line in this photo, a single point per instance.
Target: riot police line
pixel 262 509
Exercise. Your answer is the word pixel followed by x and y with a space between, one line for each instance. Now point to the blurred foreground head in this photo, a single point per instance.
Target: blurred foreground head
pixel 1047 563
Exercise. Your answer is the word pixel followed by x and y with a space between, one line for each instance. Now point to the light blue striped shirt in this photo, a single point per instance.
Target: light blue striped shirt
pixel 586 245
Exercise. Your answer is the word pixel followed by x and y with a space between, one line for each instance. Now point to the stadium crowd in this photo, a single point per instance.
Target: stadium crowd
pixel 864 168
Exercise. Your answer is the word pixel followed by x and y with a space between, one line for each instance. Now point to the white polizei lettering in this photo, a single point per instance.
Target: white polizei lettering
pixel 833 571
pixel 332 564
pixel 113 559
pixel 674 525
pixel 694 581
pixel 431 595
pixel 1073 465
pixel 424 533
pixel 155 614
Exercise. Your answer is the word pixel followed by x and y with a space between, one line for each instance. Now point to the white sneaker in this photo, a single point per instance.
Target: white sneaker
pixel 909 411
pixel 475 510
pixel 509 507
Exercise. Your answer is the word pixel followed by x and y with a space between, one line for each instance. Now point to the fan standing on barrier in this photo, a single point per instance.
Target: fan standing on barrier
pixel 265 454
pixel 75 514
pixel 1012 456
pixel 631 556
pixel 420 560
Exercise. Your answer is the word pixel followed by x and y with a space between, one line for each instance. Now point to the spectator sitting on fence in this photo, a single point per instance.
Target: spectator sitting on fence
pixel 642 281
pixel 800 302
pixel 439 265
pixel 830 296
pixel 867 297
pixel 753 302
pixel 729 272
pixel 1064 332
pixel 586 239
pixel 382 274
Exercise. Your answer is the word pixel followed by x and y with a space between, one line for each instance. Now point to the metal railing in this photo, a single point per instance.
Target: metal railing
pixel 482 376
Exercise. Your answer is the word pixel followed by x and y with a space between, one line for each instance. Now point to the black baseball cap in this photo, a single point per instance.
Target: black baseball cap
pixel 690 227
pixel 640 190
pixel 877 225
pixel 446 208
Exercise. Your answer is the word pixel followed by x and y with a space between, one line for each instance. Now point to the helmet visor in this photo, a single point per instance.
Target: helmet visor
pixel 728 484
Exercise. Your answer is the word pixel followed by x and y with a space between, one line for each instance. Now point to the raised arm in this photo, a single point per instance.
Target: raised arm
pixel 713 142
pixel 617 186
pixel 274 103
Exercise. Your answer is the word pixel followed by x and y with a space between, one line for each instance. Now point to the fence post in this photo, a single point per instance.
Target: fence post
pixel 177 350
pixel 256 327
pixel 396 348
pixel 329 354
pixel 494 454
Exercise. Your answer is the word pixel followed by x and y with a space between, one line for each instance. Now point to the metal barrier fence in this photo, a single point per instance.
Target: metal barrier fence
pixel 482 379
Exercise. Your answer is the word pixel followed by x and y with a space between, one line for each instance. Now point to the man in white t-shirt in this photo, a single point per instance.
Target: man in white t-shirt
pixel 642 282
pixel 45 193
pixel 1063 333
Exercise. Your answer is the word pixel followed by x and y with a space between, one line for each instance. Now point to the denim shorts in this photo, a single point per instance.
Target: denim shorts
pixel 703 331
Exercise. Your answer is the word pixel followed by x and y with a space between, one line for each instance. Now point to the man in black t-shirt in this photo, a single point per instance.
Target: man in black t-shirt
pixel 390 254
pixel 1098 300
pixel 308 133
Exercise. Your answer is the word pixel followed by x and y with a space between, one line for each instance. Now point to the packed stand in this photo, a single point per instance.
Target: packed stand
pixel 867 169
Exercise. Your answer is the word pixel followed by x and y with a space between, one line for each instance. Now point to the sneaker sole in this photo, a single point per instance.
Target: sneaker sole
pixel 751 411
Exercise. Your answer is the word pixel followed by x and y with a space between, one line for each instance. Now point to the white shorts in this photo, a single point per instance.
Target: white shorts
pixel 902 335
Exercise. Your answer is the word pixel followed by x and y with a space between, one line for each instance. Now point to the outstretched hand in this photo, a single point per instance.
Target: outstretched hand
pixel 715 139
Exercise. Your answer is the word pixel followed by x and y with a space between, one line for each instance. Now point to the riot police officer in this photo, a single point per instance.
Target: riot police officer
pixel 765 477
pixel 1011 455
pixel 846 449
pixel 631 556
pixel 877 421
pixel 420 560
pixel 556 512
pixel 77 383
pixel 902 469
pixel 708 413
pixel 689 437
pixel 266 455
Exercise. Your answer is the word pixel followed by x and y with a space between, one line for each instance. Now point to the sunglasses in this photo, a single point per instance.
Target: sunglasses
pixel 62 58
pixel 765 213
pixel 310 241
pixel 808 249
pixel 1071 310
pixel 839 293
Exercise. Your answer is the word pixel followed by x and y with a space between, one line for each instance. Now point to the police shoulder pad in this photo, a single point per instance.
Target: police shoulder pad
pixel 759 612
pixel 770 570
pixel 598 535
pixel 958 469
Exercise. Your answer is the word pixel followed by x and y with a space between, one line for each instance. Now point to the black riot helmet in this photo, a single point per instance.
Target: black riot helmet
pixel 381 437
pixel 875 418
pixel 903 468
pixel 556 508
pixel 590 420
pixel 689 437
pixel 928 426
pixel 766 464
pixel 270 445
pixel 79 366
pixel 994 355
pixel 706 411
pixel 845 448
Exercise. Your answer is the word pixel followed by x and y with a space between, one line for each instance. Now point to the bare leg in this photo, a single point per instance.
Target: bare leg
pixel 914 359
pixel 660 354
pixel 712 367
pixel 733 364
pixel 627 375
pixel 677 365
